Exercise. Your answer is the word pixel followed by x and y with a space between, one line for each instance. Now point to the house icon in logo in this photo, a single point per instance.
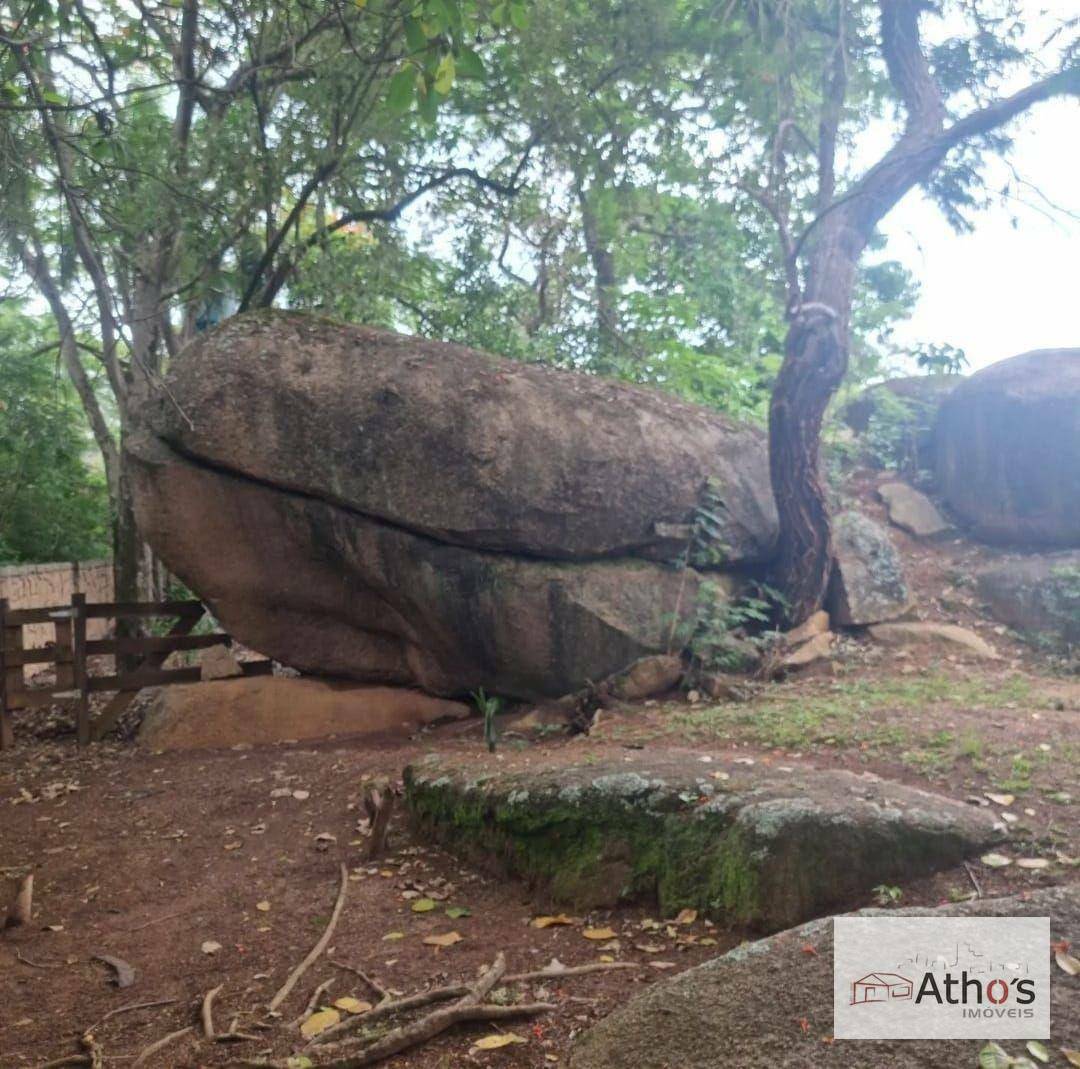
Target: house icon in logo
pixel 880 987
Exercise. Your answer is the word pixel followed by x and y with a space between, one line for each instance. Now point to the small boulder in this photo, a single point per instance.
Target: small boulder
pixel 868 583
pixel 754 849
pixel 218 662
pixel 918 632
pixel 1036 595
pixel 647 677
pixel 912 511
pixel 817 624
pixel 270 709
pixel 769 1005
pixel 813 649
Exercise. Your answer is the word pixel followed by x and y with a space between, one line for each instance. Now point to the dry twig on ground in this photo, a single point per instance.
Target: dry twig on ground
pixel 160 1044
pixel 317 949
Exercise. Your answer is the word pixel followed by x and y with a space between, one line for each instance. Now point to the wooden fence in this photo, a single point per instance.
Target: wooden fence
pixel 137 661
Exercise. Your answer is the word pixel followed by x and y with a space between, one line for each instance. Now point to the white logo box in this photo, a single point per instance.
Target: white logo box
pixel 941 977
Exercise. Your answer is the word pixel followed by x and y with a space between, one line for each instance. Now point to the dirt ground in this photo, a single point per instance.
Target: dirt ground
pixel 151 858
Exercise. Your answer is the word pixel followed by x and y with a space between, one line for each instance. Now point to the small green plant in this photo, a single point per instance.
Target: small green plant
pixel 941 359
pixel 729 634
pixel 488 706
pixel 887 895
pixel 1062 601
pixel 891 438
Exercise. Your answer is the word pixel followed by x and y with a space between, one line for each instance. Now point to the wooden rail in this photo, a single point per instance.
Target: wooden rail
pixel 69 652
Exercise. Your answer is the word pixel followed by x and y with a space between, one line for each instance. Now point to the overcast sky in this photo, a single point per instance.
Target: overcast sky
pixel 1002 290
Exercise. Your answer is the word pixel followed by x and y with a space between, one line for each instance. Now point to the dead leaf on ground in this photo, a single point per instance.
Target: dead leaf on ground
pixel 125 974
pixel 210 947
pixel 423 905
pixel 598 933
pixel 500 1039
pixel 1001 799
pixel 1032 863
pixel 352 1005
pixel 447 939
pixel 1067 963
pixel 263 906
pixel 663 965
pixel 1071 1056
pixel 551 922
pixel 995 861
pixel 319 1022
pixel 686 916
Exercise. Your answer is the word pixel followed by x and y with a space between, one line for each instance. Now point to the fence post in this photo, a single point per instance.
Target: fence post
pixel 7 735
pixel 79 669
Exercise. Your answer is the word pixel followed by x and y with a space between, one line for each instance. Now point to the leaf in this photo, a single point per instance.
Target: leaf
pixel 299 1061
pixel 263 906
pixel 457 912
pixel 319 1022
pixel 1037 1050
pixel 1032 863
pixel 423 905
pixel 125 974
pixel 445 73
pixel 1071 1056
pixel 210 947
pixel 400 93
pixel 993 1057
pixel 469 64
pixel 448 939
pixel 551 922
pixel 352 1005
pixel 392 936
pixel 500 1039
pixel 519 16
pixel 1067 963
pixel 995 861
pixel 1001 799
pixel 598 933
pixel 686 916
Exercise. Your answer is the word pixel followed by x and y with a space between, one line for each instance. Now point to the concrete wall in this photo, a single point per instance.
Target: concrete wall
pixel 36 586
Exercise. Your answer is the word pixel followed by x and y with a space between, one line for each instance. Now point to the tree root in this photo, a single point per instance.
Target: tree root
pixel 317 949
pixel 149 1052
pixel 207 1013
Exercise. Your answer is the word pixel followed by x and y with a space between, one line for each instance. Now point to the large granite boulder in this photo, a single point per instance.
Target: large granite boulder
pixel 359 503
pixel 1008 449
pixel 1037 595
pixel 769 1005
pixel 745 847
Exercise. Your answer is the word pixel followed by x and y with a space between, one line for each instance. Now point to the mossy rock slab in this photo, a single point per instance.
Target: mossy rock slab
pixel 769 1005
pixel 767 850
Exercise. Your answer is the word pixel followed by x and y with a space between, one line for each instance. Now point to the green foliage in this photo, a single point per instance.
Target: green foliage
pixel 1062 600
pixel 727 635
pixel 888 894
pixel 891 437
pixel 489 707
pixel 53 504
pixel 941 359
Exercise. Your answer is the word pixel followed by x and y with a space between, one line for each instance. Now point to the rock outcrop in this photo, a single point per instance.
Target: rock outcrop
pixel 868 583
pixel 1008 450
pixel 1036 595
pixel 358 503
pixel 769 1005
pixel 768 850
pixel 271 709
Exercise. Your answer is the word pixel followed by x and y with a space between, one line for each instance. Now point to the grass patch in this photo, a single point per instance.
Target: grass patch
pixel 844 714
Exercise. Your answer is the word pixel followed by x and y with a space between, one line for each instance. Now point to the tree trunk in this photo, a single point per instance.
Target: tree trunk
pixel 127 561
pixel 815 362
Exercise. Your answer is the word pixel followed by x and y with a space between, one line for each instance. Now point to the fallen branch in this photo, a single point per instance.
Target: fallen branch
pixel 391 1007
pixel 317 949
pixel 68 1059
pixel 974 880
pixel 23 906
pixel 125 1009
pixel 374 984
pixel 160 1044
pixel 38 964
pixel 379 805
pixel 313 1002
pixel 208 1011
